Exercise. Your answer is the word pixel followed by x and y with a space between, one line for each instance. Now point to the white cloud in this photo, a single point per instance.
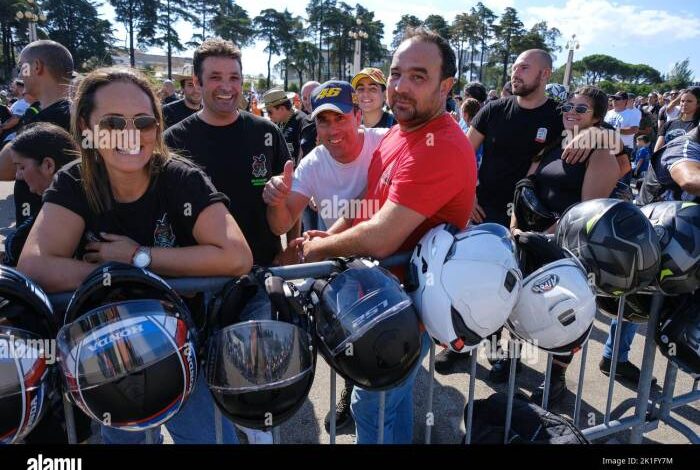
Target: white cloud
pixel 598 22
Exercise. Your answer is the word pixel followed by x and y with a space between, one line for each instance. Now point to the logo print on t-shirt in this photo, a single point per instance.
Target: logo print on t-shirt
pixel 259 166
pixel 541 135
pixel 163 235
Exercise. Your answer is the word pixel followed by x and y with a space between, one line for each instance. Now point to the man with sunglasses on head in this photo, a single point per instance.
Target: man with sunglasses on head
pixel 191 102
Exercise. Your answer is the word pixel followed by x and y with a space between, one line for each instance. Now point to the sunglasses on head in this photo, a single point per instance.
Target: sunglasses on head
pixel 142 123
pixel 579 108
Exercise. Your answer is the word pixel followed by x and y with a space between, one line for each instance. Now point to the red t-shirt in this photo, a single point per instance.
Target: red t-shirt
pixel 431 170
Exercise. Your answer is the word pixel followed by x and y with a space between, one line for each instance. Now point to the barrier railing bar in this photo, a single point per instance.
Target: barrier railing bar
pixel 514 346
pixel 644 388
pixel 547 379
pixel 70 419
pixel 579 386
pixel 429 418
pixel 611 427
pixel 470 396
pixel 616 351
pixel 332 408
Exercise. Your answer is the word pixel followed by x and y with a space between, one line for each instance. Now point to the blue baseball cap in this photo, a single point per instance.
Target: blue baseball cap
pixel 336 96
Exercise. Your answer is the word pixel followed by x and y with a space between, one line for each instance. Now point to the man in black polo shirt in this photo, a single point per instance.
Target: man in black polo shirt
pixel 46 68
pixel 239 151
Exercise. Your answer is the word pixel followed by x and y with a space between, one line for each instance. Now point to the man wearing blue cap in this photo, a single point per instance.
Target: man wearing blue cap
pixel 333 174
pixel 422 174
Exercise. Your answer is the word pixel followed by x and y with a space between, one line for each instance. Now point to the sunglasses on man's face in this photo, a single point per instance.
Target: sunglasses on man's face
pixel 578 108
pixel 142 123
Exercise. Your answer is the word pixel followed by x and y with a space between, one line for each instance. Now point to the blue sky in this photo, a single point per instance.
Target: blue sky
pixel 654 32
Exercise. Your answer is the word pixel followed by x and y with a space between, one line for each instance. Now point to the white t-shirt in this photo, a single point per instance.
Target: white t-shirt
pixel 335 186
pixel 621 120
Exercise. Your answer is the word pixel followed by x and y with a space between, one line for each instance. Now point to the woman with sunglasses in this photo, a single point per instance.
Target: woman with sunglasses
pixel 130 200
pixel 560 185
pixel 687 119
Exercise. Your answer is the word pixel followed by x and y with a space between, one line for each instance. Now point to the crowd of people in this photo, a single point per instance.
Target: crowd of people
pixel 364 167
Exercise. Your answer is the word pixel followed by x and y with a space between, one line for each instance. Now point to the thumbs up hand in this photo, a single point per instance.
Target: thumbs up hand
pixel 278 188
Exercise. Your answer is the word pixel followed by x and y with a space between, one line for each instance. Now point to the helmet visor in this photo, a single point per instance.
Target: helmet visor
pixel 23 361
pixel 258 355
pixel 355 301
pixel 120 339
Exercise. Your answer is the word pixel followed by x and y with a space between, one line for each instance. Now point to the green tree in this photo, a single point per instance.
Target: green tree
pixel 680 76
pixel 275 28
pixel 166 36
pixel 509 32
pixel 438 24
pixel 233 23
pixel 205 10
pixel 8 22
pixel 139 18
pixel 406 21
pixel 65 20
pixel 539 37
pixel 463 33
pixel 372 48
pixel 484 19
pixel 600 66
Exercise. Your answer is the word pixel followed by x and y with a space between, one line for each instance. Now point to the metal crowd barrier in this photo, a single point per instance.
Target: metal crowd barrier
pixel 646 417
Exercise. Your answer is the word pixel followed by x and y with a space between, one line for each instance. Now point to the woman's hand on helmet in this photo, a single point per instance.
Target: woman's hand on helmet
pixel 115 248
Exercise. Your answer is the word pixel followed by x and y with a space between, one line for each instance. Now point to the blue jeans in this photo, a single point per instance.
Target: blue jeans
pixel 193 424
pixel 398 408
pixel 626 337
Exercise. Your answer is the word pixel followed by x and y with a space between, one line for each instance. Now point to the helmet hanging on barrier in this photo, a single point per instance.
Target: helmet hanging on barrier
pixel 556 306
pixel 615 242
pixel 366 325
pixel 636 310
pixel 677 225
pixel 464 283
pixel 530 212
pixel 678 332
pixel 261 357
pixel 26 373
pixel 128 349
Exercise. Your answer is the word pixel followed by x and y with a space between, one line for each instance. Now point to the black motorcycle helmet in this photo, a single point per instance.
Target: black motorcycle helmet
pixel 678 332
pixel 128 348
pixel 677 225
pixel 26 365
pixel 636 310
pixel 366 326
pixel 614 241
pixel 261 358
pixel 530 212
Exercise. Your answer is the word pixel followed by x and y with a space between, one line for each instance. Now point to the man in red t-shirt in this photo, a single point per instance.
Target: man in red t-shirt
pixel 422 174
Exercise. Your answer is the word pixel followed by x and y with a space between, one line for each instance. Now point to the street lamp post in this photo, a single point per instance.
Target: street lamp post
pixel 358 34
pixel 572 44
pixel 32 16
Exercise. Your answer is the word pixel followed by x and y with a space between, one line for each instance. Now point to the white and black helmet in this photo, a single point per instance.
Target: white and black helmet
pixel 556 306
pixel 464 283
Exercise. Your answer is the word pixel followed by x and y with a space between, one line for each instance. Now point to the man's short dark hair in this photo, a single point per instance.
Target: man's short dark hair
pixel 55 57
pixel 449 60
pixel 644 138
pixel 214 47
pixel 477 91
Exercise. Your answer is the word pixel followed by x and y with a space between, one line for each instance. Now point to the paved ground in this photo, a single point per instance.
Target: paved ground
pixel 450 391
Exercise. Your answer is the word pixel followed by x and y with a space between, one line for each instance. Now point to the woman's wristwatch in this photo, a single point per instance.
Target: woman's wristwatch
pixel 141 257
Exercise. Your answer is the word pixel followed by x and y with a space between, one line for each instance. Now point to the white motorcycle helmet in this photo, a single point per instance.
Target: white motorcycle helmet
pixel 464 283
pixel 556 306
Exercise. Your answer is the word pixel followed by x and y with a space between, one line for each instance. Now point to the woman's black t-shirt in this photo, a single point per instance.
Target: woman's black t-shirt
pixel 163 217
pixel 559 183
